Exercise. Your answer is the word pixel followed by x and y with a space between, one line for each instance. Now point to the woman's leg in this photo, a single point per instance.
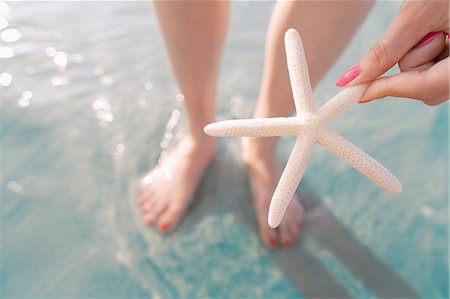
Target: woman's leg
pixel 326 27
pixel 194 32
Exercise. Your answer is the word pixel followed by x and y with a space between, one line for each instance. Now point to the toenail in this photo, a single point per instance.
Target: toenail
pixel 164 226
pixel 287 243
pixel 149 221
pixel 273 242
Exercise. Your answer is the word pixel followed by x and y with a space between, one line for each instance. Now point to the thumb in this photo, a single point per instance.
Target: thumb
pixel 429 86
pixel 398 39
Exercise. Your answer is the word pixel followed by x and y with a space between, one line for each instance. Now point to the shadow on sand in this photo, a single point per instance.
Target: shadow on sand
pixel 329 234
pixel 222 189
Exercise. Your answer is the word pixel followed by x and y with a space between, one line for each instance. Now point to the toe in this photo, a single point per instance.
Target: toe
pixel 268 235
pixel 286 235
pixel 145 194
pixel 170 217
pixel 155 211
pixel 146 206
pixel 272 241
pixel 297 220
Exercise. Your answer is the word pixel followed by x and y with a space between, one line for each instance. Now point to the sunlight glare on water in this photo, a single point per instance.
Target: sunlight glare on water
pixel 6 52
pixel 10 35
pixel 5 79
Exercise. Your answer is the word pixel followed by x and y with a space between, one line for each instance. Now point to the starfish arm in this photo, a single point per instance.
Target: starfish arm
pixel 290 178
pixel 340 102
pixel 262 127
pixel 358 159
pixel 298 73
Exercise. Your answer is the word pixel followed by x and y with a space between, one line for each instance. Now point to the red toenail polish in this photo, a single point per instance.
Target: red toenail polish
pixel 165 226
pixel 149 221
pixel 288 243
pixel 273 242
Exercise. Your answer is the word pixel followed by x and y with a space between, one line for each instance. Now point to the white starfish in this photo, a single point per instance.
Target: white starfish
pixel 310 128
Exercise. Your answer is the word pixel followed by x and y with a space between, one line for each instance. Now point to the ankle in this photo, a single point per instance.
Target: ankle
pixel 202 143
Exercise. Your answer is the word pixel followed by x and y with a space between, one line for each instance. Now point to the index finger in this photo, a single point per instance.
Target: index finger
pixel 404 32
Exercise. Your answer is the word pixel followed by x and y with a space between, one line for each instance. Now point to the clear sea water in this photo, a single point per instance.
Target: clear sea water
pixel 87 108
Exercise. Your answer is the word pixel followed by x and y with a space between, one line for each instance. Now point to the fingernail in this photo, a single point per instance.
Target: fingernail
pixel 348 76
pixel 164 226
pixel 273 242
pixel 427 38
pixel 287 243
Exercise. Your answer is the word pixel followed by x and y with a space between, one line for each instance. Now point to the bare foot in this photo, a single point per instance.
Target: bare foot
pixel 265 171
pixel 168 188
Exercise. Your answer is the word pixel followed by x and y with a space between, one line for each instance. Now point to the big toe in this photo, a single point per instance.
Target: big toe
pixel 171 217
pixel 268 235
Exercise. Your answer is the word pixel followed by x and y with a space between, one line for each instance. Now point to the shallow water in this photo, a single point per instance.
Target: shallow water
pixel 90 104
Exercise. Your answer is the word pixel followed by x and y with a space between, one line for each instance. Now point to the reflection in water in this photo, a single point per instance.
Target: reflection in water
pixel 24 101
pixel 101 104
pixel 6 52
pixel 118 151
pixel 30 70
pixel 3 23
pixel 168 133
pixel 60 60
pixel 142 102
pixel 103 111
pixel 180 98
pixel 10 35
pixel 149 86
pixel 76 58
pixel 50 51
pixel 427 211
pixel 4 9
pixel 98 71
pixel 160 171
pixel 107 80
pixel 14 186
pixel 60 80
pixel 5 79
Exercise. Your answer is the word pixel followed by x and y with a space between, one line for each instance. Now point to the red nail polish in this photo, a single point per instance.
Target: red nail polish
pixel 164 226
pixel 348 76
pixel 287 243
pixel 427 38
pixel 149 221
pixel 364 101
pixel 273 242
